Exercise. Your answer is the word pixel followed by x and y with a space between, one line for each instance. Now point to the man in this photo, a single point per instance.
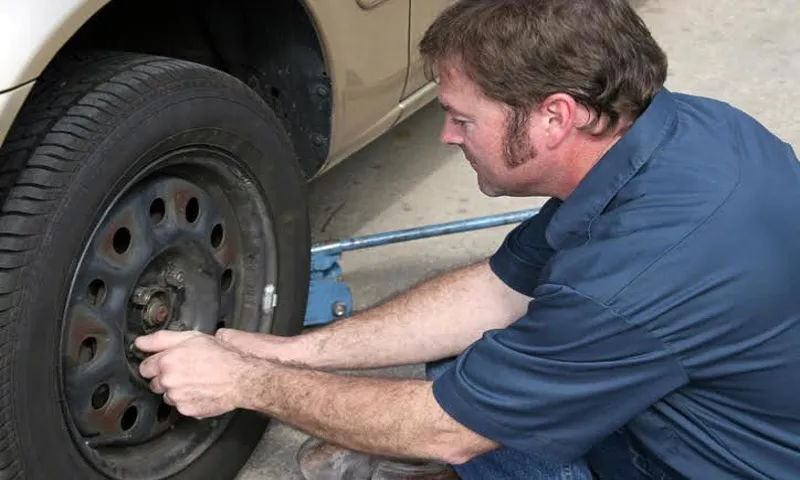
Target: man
pixel 645 324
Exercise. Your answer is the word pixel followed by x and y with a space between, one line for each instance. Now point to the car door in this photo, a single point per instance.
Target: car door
pixel 422 14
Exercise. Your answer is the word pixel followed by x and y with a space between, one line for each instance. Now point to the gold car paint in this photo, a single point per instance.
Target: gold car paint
pixel 419 91
pixel 366 51
pixel 369 3
pixel 33 31
pixel 423 13
pixel 29 39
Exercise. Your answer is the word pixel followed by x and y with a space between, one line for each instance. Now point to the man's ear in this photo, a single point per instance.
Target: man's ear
pixel 559 113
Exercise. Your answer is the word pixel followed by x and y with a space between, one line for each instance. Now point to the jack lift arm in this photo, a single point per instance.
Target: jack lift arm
pixel 330 299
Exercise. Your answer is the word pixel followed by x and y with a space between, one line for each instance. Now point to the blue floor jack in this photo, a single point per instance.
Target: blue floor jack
pixel 330 299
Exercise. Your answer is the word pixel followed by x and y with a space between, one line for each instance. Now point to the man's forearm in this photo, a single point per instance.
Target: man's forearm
pixel 381 416
pixel 437 319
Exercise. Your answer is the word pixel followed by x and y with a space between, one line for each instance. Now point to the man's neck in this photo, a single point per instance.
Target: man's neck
pixel 587 151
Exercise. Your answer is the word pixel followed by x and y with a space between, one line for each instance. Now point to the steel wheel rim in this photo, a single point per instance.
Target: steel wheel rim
pixel 185 262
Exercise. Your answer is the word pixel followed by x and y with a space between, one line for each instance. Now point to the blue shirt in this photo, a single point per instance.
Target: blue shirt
pixel 666 300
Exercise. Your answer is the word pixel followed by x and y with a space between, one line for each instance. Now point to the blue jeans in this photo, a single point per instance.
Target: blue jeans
pixel 615 458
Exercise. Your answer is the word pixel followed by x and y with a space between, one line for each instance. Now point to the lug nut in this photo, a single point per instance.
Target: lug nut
pixel 156 313
pixel 141 296
pixel 135 352
pixel 174 278
pixel 177 326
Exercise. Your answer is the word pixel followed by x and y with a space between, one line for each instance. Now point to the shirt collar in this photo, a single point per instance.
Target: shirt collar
pixel 635 148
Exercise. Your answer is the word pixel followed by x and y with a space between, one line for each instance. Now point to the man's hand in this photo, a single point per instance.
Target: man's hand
pixel 198 374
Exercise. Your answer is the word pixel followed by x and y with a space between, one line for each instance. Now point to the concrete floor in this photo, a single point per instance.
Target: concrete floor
pixel 743 51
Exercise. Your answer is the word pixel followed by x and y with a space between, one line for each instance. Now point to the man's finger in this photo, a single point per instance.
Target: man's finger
pixel 163 339
pixel 155 385
pixel 149 367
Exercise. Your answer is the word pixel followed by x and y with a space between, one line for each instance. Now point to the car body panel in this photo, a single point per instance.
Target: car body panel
pixel 33 31
pixel 369 3
pixel 366 50
pixel 423 13
pixel 369 48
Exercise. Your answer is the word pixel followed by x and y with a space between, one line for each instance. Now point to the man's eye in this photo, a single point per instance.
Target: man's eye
pixel 459 122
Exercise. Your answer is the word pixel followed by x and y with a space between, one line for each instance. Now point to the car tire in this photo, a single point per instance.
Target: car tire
pixel 138 193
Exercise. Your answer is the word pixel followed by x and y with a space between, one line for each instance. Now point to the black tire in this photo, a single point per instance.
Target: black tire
pixel 93 124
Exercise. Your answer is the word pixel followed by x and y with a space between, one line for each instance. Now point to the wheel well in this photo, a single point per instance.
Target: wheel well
pixel 272 46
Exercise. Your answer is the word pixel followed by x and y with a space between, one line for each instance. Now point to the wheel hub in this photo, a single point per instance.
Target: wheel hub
pixel 159 303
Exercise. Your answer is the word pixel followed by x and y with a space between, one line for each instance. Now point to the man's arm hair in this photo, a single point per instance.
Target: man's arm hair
pixel 437 319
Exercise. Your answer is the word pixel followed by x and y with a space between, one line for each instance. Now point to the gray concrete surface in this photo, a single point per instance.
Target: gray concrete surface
pixel 743 51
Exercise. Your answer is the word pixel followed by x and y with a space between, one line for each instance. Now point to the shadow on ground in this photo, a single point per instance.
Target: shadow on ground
pixel 366 184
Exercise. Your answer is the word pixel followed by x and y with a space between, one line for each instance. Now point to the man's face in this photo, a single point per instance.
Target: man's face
pixel 480 127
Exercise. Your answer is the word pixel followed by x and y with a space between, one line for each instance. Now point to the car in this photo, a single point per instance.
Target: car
pixel 154 160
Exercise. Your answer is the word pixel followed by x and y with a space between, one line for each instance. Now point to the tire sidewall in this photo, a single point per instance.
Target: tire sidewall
pixel 177 115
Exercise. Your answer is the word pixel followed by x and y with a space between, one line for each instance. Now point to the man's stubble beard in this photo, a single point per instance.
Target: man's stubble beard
pixel 517 151
pixel 517 147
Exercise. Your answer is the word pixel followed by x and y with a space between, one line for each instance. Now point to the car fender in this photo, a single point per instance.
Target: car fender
pixel 31 34
pixel 33 31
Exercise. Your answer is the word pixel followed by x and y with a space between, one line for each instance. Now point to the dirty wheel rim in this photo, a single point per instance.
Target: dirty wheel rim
pixel 182 247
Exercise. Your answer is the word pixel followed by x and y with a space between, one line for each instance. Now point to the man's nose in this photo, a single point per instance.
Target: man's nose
pixel 450 134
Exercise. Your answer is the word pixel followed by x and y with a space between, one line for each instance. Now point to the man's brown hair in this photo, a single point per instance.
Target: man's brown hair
pixel 520 51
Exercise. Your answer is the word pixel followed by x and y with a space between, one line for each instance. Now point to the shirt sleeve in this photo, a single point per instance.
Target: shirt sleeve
pixel 522 256
pixel 566 375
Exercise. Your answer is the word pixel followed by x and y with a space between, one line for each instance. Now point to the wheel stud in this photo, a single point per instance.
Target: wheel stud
pixel 174 278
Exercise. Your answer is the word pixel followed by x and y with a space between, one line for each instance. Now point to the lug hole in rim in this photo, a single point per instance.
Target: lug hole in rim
pixel 227 280
pixel 100 396
pixel 192 210
pixel 87 350
pixel 129 418
pixel 163 412
pixel 121 241
pixel 96 293
pixel 217 235
pixel 158 210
